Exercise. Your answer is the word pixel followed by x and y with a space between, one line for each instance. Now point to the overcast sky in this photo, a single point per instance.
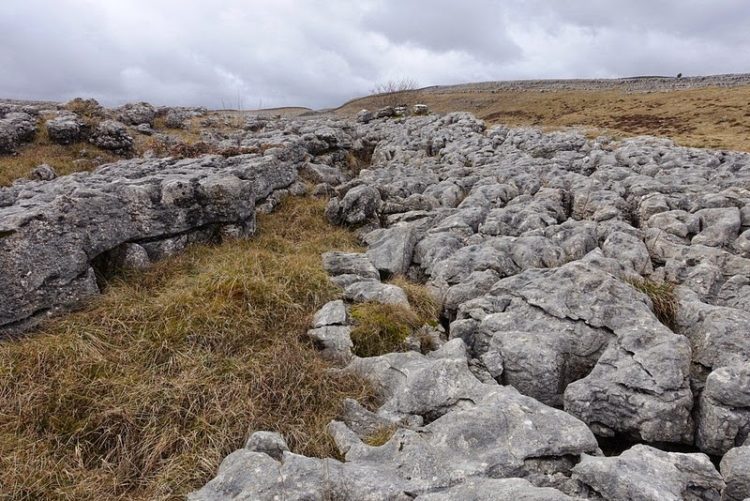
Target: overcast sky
pixel 319 53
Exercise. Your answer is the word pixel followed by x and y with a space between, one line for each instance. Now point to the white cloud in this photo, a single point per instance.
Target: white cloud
pixel 320 53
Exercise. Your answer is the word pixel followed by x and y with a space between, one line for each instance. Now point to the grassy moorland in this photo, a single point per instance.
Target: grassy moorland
pixel 64 159
pixel 140 395
pixel 710 117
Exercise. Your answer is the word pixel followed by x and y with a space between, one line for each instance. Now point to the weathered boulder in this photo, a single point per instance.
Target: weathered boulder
pixel 332 313
pixel 268 443
pixel 648 474
pixel 374 291
pixel 65 129
pixel 334 342
pixel 112 136
pixel 364 117
pixel 51 242
pixel 385 112
pixel 420 109
pixel 346 268
pixel 319 173
pixel 43 172
pixel 16 128
pixel 719 226
pixel 356 207
pixel 488 489
pixel 735 468
pixel 580 332
pixel 390 250
pixel 175 119
pixel 252 475
pixel 724 410
pixel 136 114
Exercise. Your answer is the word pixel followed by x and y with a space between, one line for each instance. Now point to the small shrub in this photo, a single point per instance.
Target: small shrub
pixel 382 328
pixel 662 297
pixel 396 92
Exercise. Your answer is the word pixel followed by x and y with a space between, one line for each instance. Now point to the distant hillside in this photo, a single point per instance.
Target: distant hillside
pixel 704 111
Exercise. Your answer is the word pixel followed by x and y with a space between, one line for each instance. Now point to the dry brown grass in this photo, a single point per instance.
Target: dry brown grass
pixel 65 159
pixel 141 395
pixel 383 328
pixel 424 304
pixel 662 298
pixel 710 117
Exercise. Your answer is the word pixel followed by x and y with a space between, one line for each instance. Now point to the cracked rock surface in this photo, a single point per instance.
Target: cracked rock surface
pixel 549 253
pixel 538 245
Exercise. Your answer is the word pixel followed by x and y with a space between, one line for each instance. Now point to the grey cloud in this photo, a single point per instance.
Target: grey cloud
pixel 476 27
pixel 320 53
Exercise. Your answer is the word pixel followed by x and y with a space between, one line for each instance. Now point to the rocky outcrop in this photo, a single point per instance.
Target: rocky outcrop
pixel 136 114
pixel 650 474
pixel 735 467
pixel 53 238
pixel 65 129
pixel 112 136
pixel 15 128
pixel 175 119
pixel 590 289
pixel 58 235
pixel 548 251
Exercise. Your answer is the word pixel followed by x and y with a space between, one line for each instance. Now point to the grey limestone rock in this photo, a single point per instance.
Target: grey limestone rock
pixel 113 136
pixel 346 268
pixel 489 489
pixel 252 475
pixel 724 410
pixel 364 117
pixel 648 474
pixel 268 443
pixel 175 119
pixel 43 172
pixel 365 291
pixel 319 173
pixel 51 241
pixel 137 113
pixel 334 342
pixel 390 250
pixel 332 313
pixel 356 207
pixel 735 468
pixel 719 226
pixel 16 128
pixel 65 129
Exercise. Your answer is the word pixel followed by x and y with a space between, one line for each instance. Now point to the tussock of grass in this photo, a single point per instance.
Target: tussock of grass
pixel 65 159
pixel 424 304
pixel 381 328
pixel 662 297
pixel 141 395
